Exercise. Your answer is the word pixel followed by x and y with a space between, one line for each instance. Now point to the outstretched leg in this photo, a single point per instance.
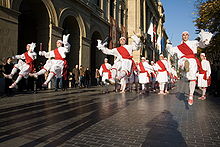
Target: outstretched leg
pixel 192 86
pixel 17 80
pixel 50 76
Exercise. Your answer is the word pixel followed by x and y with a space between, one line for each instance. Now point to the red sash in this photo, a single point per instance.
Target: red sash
pixel 142 69
pixel 57 55
pixel 29 61
pixel 106 70
pixel 184 48
pixel 203 72
pixel 188 53
pixel 209 81
pixel 124 52
pixel 162 66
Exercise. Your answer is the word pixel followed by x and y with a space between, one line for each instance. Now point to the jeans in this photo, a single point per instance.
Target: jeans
pixel 58 83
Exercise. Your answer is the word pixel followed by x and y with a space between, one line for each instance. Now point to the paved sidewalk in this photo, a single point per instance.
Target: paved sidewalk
pixel 86 117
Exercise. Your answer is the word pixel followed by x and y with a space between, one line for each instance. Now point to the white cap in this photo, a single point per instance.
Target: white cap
pixel 122 38
pixel 143 58
pixel 152 62
pixel 29 45
pixel 165 58
pixel 147 61
pixel 161 55
pixel 202 54
pixel 185 32
pixel 60 41
pixel 106 59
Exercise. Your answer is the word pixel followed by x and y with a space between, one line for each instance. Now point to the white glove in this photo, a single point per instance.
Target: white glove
pixel 42 53
pixel 205 37
pixel 99 46
pixel 32 46
pixel 136 39
pixel 65 38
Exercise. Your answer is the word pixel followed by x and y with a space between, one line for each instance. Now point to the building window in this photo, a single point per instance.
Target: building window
pixel 98 3
pixel 122 17
pixel 142 15
pixel 112 8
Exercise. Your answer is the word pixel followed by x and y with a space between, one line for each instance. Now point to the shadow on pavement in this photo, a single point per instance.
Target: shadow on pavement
pixel 182 97
pixel 163 132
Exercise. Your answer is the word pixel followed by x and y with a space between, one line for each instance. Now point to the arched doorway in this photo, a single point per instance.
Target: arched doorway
pixel 33 25
pixel 70 26
pixel 96 56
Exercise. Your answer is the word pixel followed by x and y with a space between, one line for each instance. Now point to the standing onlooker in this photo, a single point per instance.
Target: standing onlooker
pixel 8 66
pixel 65 76
pixel 58 83
pixel 41 79
pixel 76 74
pixel 87 77
pixel 81 76
pixel 2 83
pixel 97 76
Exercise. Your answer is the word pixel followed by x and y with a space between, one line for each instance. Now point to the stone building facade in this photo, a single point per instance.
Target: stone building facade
pixel 45 21
pixel 146 19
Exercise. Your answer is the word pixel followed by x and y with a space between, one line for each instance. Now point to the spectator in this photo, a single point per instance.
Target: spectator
pixel 65 76
pixel 76 74
pixel 97 76
pixel 8 66
pixel 1 81
pixel 70 79
pixel 40 80
pixel 58 83
pixel 81 76
pixel 87 77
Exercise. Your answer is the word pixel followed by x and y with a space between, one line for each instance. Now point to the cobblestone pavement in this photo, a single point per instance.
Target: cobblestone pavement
pixel 86 117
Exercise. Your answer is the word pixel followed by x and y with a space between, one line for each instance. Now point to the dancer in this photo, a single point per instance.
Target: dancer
pixel 187 59
pixel 144 74
pixel 124 54
pixel 105 73
pixel 25 66
pixel 56 65
pixel 162 68
pixel 204 76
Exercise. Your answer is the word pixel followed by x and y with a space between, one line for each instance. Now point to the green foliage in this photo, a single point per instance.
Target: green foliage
pixel 209 19
pixel 209 15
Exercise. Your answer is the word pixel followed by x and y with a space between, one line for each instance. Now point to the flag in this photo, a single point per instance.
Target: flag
pixel 154 33
pixel 150 30
pixel 159 43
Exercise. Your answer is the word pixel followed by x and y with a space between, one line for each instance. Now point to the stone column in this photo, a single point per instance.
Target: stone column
pixel 8 32
pixel 134 24
pixel 84 55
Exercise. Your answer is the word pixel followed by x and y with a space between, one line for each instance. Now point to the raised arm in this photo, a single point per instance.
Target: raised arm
pixel 136 44
pixel 171 49
pixel 65 42
pixel 47 54
pixel 104 49
pixel 205 38
pixel 18 56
